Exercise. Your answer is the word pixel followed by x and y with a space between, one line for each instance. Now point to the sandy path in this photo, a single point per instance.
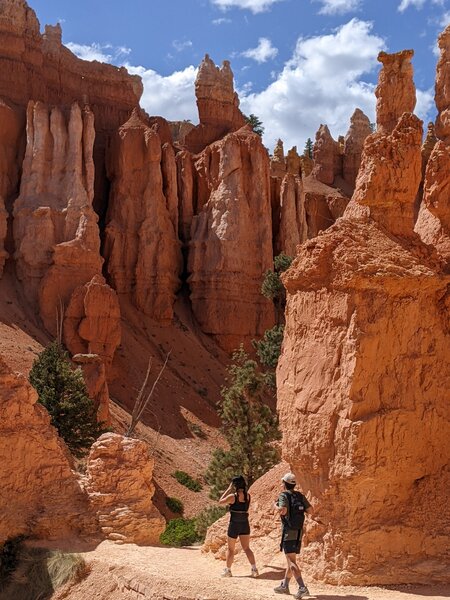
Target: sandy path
pixel 132 572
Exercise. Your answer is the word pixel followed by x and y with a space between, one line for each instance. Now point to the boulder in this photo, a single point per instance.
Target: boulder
pixel 119 483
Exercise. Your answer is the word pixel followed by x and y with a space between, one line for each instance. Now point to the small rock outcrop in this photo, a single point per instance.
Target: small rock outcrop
pixel 40 494
pixel 353 145
pixel 141 249
pixel 119 483
pixel 224 273
pixel 395 92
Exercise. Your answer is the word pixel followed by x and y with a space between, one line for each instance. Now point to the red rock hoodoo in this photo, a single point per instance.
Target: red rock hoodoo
pixel 363 378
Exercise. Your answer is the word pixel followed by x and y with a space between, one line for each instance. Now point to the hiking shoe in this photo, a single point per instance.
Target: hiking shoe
pixel 255 572
pixel 281 589
pixel 226 572
pixel 302 591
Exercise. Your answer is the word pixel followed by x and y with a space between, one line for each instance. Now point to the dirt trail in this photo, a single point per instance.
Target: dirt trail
pixel 136 573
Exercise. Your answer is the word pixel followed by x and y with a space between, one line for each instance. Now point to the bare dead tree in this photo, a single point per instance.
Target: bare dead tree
pixel 144 397
pixel 59 321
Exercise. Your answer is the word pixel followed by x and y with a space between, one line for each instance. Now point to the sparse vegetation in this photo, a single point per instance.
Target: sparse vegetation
pixel 175 505
pixel 206 518
pixel 268 349
pixel 179 532
pixel 256 124
pixel 40 572
pixel 61 389
pixel 272 287
pixel 188 481
pixel 248 424
pixel 197 430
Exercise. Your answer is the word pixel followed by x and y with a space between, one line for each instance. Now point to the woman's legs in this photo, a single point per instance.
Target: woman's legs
pixel 245 543
pixel 230 551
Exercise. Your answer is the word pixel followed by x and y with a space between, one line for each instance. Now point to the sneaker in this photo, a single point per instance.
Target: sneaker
pixel 226 572
pixel 255 572
pixel 302 591
pixel 281 589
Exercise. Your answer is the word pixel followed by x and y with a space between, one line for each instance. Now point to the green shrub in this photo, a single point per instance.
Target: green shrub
pixel 62 391
pixel 188 481
pixel 206 518
pixel 179 532
pixel 175 505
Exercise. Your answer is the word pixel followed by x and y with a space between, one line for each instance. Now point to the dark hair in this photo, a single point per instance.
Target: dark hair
pixel 239 483
pixel 289 486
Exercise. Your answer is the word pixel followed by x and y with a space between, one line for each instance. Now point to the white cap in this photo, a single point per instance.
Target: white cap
pixel 289 478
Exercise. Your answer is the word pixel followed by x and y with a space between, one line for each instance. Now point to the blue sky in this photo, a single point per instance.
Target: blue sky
pixel 297 63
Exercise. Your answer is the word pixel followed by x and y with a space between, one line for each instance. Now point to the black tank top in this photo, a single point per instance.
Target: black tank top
pixel 239 510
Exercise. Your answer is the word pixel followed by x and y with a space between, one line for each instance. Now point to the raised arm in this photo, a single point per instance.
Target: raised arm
pixel 227 497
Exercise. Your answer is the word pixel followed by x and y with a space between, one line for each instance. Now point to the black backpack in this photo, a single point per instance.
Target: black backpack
pixel 295 516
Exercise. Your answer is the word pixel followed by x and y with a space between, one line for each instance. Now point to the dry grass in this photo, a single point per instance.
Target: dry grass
pixel 40 572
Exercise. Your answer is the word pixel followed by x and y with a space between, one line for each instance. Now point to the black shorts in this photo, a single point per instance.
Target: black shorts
pixel 291 547
pixel 237 529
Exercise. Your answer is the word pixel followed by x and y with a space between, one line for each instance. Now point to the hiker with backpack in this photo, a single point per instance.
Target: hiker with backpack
pixel 238 500
pixel 291 506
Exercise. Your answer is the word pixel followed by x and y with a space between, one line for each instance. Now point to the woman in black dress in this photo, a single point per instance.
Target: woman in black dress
pixel 238 500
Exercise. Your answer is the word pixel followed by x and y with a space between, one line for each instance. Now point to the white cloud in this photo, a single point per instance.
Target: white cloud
pixel 221 21
pixel 256 6
pixel 445 19
pixel 170 96
pixel 102 52
pixel 404 4
pixel 334 7
pixel 263 51
pixel 321 83
pixel 425 106
pixel 181 45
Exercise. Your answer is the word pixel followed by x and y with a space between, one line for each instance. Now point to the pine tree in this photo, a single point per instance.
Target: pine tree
pixel 63 392
pixel 248 424
pixel 256 124
pixel 272 286
pixel 309 146
pixel 268 349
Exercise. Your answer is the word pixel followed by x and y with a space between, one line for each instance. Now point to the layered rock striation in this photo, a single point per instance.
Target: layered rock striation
pixel 235 217
pixel 55 227
pixel 141 248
